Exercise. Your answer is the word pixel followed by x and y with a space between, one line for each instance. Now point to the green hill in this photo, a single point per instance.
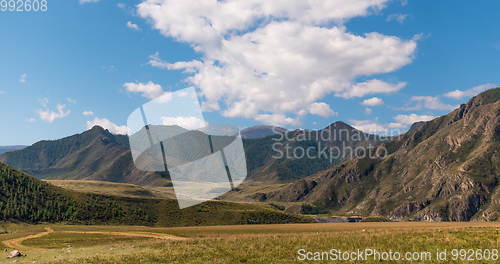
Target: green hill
pixel 27 199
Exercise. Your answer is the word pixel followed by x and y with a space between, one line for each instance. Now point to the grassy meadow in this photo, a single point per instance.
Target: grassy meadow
pixel 256 244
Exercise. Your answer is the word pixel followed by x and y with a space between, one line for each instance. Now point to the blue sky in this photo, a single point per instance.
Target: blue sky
pixel 98 58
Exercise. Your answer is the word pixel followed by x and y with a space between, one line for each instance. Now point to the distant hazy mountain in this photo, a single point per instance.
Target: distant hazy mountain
pixel 257 132
pixel 4 149
pixel 446 169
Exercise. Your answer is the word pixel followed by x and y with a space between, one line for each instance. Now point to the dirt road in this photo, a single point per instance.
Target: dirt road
pixel 127 234
pixel 17 242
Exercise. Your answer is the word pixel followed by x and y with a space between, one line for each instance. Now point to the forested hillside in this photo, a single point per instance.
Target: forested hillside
pixel 26 199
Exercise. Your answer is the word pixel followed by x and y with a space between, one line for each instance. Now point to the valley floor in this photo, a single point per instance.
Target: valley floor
pixel 259 244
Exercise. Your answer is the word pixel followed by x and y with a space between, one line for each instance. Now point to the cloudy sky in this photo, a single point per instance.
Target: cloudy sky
pixel 379 65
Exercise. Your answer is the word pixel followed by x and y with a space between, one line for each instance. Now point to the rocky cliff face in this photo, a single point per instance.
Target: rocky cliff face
pixel 444 170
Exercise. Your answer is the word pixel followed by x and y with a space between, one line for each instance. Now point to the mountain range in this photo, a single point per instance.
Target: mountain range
pixel 97 154
pixel 93 155
pixel 446 169
pixel 257 132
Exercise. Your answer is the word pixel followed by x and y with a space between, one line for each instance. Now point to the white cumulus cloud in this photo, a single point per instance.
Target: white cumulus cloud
pixel 48 115
pixel 149 90
pixel 369 126
pixel 203 22
pixel 400 18
pixel 263 59
pixel 372 87
pixel 412 118
pixel 187 122
pixel 428 102
pixel 88 113
pixel 374 101
pixel 321 109
pixel 277 119
pixel 397 125
pixel 187 66
pixel 133 26
pixel 459 94
pixel 401 122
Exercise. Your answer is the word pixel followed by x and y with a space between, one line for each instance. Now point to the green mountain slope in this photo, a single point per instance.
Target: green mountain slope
pixel 93 155
pixel 27 199
pixel 24 198
pixel 445 169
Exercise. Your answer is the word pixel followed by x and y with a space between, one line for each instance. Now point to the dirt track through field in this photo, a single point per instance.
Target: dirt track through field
pixel 17 242
pixel 127 234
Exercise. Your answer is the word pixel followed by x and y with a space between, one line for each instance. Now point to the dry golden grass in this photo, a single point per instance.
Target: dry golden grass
pixel 115 189
pixel 258 244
